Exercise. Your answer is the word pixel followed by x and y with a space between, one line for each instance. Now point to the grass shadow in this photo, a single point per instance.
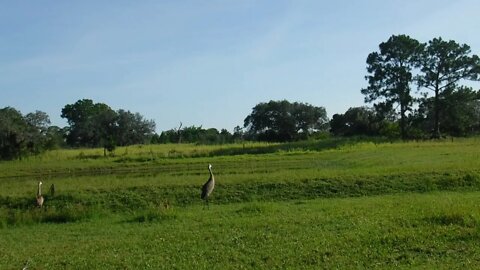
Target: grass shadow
pixel 453 219
pixel 71 213
pixel 153 214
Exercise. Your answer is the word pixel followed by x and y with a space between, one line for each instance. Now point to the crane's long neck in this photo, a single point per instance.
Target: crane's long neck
pixel 211 174
pixel 39 192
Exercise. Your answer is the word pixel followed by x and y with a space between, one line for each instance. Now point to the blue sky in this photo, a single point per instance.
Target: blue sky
pixel 206 62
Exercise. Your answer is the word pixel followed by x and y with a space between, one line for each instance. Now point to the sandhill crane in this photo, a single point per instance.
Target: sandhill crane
pixel 208 186
pixel 52 190
pixel 39 195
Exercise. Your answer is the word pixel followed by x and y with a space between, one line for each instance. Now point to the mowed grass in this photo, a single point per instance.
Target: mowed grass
pixel 318 204
pixel 72 172
pixel 433 231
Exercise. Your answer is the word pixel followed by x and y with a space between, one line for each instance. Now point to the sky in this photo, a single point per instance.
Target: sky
pixel 207 63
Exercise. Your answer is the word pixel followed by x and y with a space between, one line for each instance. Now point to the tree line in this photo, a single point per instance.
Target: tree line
pixel 93 124
pixel 419 86
pixel 198 135
pixel 89 125
pixel 416 90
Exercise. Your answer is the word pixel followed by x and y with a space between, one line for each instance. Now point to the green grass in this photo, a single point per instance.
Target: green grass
pixel 434 231
pixel 360 160
pixel 318 204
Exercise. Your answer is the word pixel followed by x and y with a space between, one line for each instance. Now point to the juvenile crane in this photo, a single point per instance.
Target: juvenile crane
pixel 39 195
pixel 52 190
pixel 208 186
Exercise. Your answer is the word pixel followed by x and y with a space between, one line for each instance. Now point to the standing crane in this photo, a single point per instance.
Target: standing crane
pixel 208 186
pixel 39 195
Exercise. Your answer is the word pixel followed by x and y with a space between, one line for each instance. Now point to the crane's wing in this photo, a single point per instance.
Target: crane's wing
pixel 207 188
pixel 204 190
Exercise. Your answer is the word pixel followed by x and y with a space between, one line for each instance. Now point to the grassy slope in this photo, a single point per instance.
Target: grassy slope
pixel 266 209
pixel 367 160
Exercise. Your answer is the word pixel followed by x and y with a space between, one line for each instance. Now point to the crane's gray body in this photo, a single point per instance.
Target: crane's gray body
pixel 209 185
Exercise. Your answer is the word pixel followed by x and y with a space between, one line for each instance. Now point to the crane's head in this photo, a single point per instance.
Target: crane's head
pixel 39 183
pixel 209 166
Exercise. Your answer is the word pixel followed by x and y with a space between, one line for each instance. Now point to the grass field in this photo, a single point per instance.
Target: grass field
pixel 319 204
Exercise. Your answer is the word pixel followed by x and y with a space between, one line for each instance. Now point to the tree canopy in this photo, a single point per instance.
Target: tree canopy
pixel 356 121
pixel 438 66
pixel 96 124
pixel 22 135
pixel 443 65
pixel 285 121
pixel 391 75
pixel 194 134
pixel 89 125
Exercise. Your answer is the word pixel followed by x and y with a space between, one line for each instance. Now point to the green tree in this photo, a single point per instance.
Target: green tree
pixel 195 134
pixel 284 121
pixel 96 124
pixel 460 112
pixel 225 136
pixel 391 75
pixel 13 129
pixel 443 65
pixel 105 127
pixel 80 119
pixel 308 119
pixel 91 124
pixel 190 134
pixel 22 135
pixel 356 121
pixel 55 138
pixel 238 134
pixel 132 128
pixel 38 123
pixel 209 136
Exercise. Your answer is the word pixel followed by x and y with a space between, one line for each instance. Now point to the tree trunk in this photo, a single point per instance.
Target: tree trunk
pixel 436 117
pixel 402 123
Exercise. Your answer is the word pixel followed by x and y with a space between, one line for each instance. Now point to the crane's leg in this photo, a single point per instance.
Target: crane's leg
pixel 205 204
